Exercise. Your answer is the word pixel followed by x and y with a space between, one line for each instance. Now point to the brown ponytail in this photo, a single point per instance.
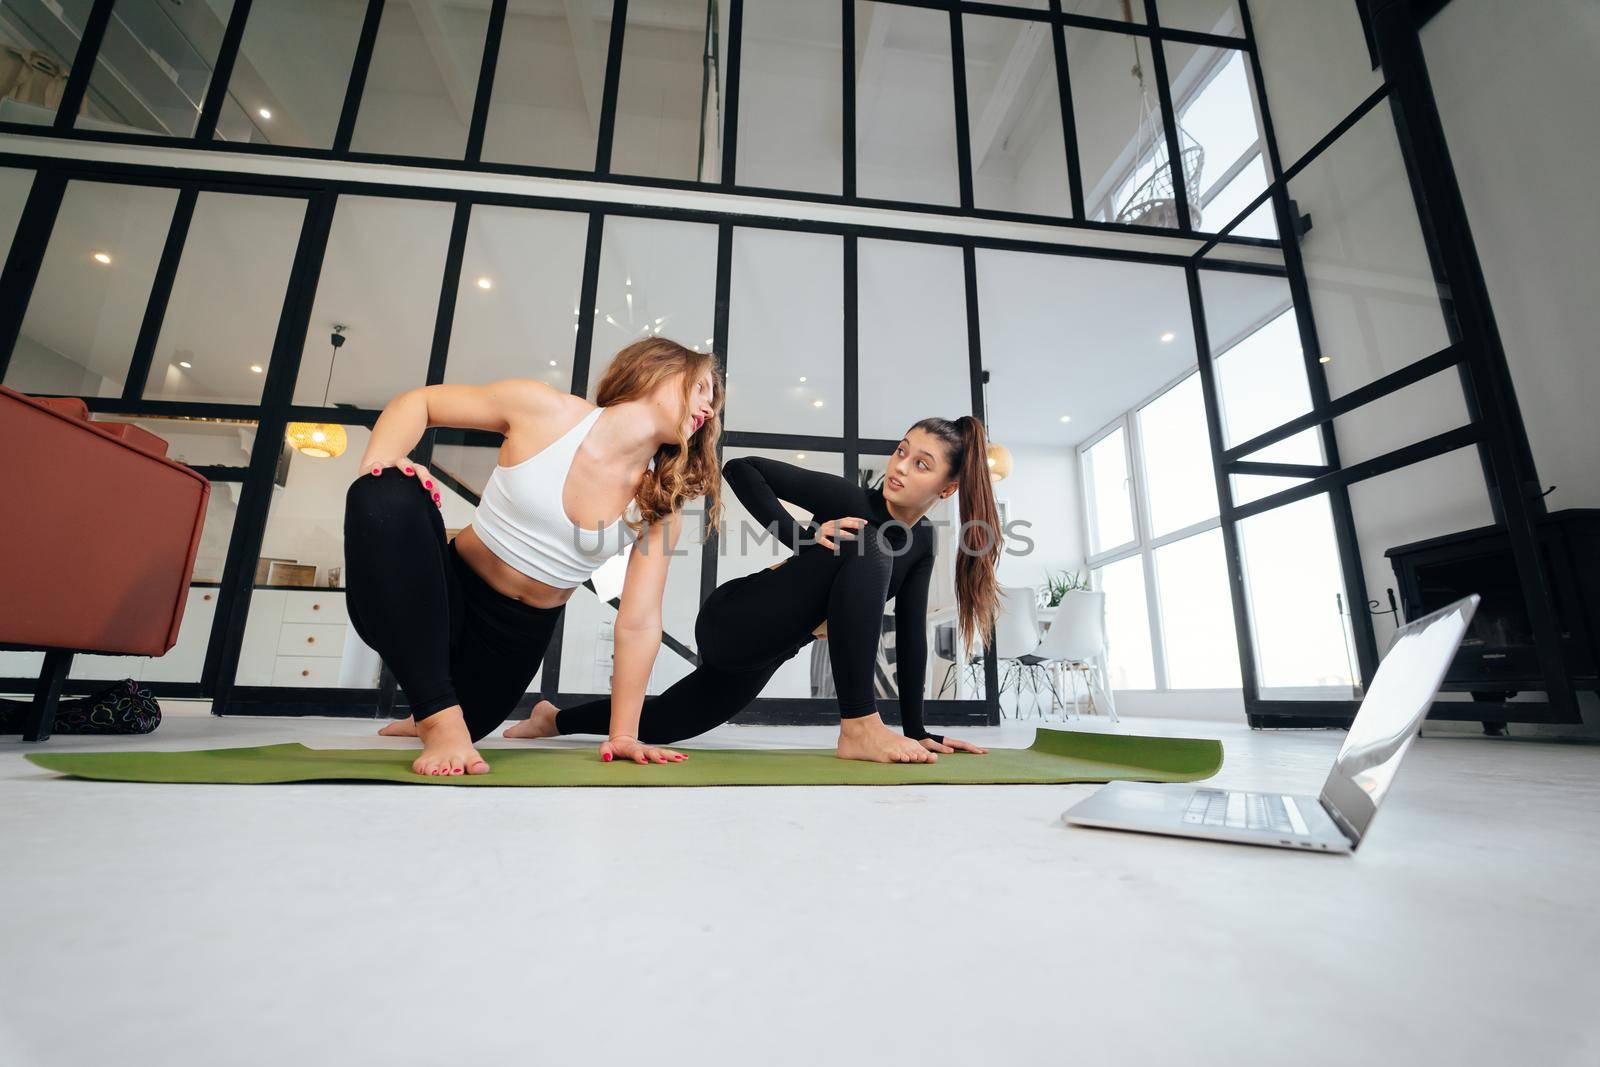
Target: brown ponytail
pixel 980 539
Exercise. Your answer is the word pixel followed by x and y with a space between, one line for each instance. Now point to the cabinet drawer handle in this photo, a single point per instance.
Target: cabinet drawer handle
pixel 305 674
pixel 316 607
pixel 206 597
pixel 311 640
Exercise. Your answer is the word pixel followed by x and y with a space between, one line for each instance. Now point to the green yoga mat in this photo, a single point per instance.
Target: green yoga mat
pixel 1055 756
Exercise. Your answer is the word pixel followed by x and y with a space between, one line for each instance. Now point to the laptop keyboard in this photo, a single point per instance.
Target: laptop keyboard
pixel 1239 811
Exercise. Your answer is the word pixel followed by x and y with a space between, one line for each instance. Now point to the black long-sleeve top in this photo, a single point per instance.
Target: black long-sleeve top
pixel 760 483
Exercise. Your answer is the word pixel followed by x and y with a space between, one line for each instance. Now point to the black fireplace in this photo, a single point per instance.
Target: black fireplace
pixel 1497 658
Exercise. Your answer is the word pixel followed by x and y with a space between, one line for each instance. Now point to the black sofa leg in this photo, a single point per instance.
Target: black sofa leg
pixel 47 697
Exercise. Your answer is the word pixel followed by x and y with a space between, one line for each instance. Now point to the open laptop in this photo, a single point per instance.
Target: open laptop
pixel 1395 705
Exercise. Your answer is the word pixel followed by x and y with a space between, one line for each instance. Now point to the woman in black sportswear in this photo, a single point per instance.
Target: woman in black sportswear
pixel 862 547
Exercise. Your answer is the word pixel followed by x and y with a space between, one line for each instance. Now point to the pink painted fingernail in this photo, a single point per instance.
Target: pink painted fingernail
pixel 376 469
pixel 409 470
pixel 606 756
pixel 427 484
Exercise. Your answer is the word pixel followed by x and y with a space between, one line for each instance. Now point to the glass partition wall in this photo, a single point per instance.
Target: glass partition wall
pixel 1190 415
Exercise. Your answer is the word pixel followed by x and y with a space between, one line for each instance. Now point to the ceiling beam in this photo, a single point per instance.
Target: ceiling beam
pixel 589 54
pixel 460 86
pixel 1009 99
pixel 870 60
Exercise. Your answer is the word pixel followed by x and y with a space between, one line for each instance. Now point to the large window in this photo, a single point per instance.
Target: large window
pixel 1216 108
pixel 37 48
pixel 83 317
pixel 1155 546
pixel 288 83
pixel 154 67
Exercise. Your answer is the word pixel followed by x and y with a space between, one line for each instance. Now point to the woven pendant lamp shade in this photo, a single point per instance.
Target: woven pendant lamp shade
pixel 319 440
pixel 999 462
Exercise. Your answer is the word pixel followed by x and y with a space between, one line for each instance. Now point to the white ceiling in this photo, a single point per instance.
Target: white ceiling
pixel 1080 337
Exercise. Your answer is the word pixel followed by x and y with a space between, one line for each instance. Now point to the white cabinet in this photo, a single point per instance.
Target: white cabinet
pixel 292 637
pixel 314 607
pixel 306 670
pixel 258 654
pixel 310 639
pixel 187 658
pixel 299 637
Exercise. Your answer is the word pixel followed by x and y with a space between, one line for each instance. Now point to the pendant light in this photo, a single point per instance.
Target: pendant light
pixel 321 440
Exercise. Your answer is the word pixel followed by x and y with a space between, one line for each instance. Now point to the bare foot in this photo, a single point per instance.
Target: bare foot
pixel 867 738
pixel 406 727
pixel 447 746
pixel 541 722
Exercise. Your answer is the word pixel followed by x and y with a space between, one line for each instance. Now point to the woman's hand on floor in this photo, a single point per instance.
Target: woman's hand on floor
pixel 951 744
pixel 372 466
pixel 623 747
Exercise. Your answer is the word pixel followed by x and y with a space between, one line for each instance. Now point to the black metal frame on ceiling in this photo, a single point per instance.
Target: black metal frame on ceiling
pixel 44 201
pixel 217 92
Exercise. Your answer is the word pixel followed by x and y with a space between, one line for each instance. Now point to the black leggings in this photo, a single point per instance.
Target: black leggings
pixel 448 636
pixel 748 627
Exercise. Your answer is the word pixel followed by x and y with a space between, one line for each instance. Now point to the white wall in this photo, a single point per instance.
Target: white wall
pixel 1042 490
pixel 1516 96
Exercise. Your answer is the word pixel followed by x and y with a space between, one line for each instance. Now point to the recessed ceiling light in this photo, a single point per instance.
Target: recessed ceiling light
pixel 553 363
pixel 802 379
pixel 185 364
pixel 1066 418
pixel 709 342
pixel 101 257
pixel 799 455
pixel 1324 359
pixel 1168 337
pixel 265 112
pixel 816 403
pixel 485 283
pixel 255 368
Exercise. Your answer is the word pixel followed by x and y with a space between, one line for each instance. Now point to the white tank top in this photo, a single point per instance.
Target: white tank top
pixel 521 519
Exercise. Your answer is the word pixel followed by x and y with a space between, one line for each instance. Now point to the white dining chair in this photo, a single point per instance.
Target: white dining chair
pixel 1075 645
pixel 944 647
pixel 1016 636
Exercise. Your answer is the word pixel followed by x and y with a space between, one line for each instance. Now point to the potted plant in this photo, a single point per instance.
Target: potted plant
pixel 1058 585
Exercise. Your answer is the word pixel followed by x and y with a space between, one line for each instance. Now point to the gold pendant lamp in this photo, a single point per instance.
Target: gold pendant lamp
pixel 321 440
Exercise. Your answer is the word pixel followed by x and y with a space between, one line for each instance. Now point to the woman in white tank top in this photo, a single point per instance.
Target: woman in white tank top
pixel 464 625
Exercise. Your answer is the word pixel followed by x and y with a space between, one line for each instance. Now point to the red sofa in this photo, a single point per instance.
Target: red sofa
pixel 98 543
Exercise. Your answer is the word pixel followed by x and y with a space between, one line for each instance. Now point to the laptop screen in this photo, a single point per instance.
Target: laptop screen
pixel 1400 695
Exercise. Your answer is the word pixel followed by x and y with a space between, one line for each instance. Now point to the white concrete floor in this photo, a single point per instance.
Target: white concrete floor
pixel 353 924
